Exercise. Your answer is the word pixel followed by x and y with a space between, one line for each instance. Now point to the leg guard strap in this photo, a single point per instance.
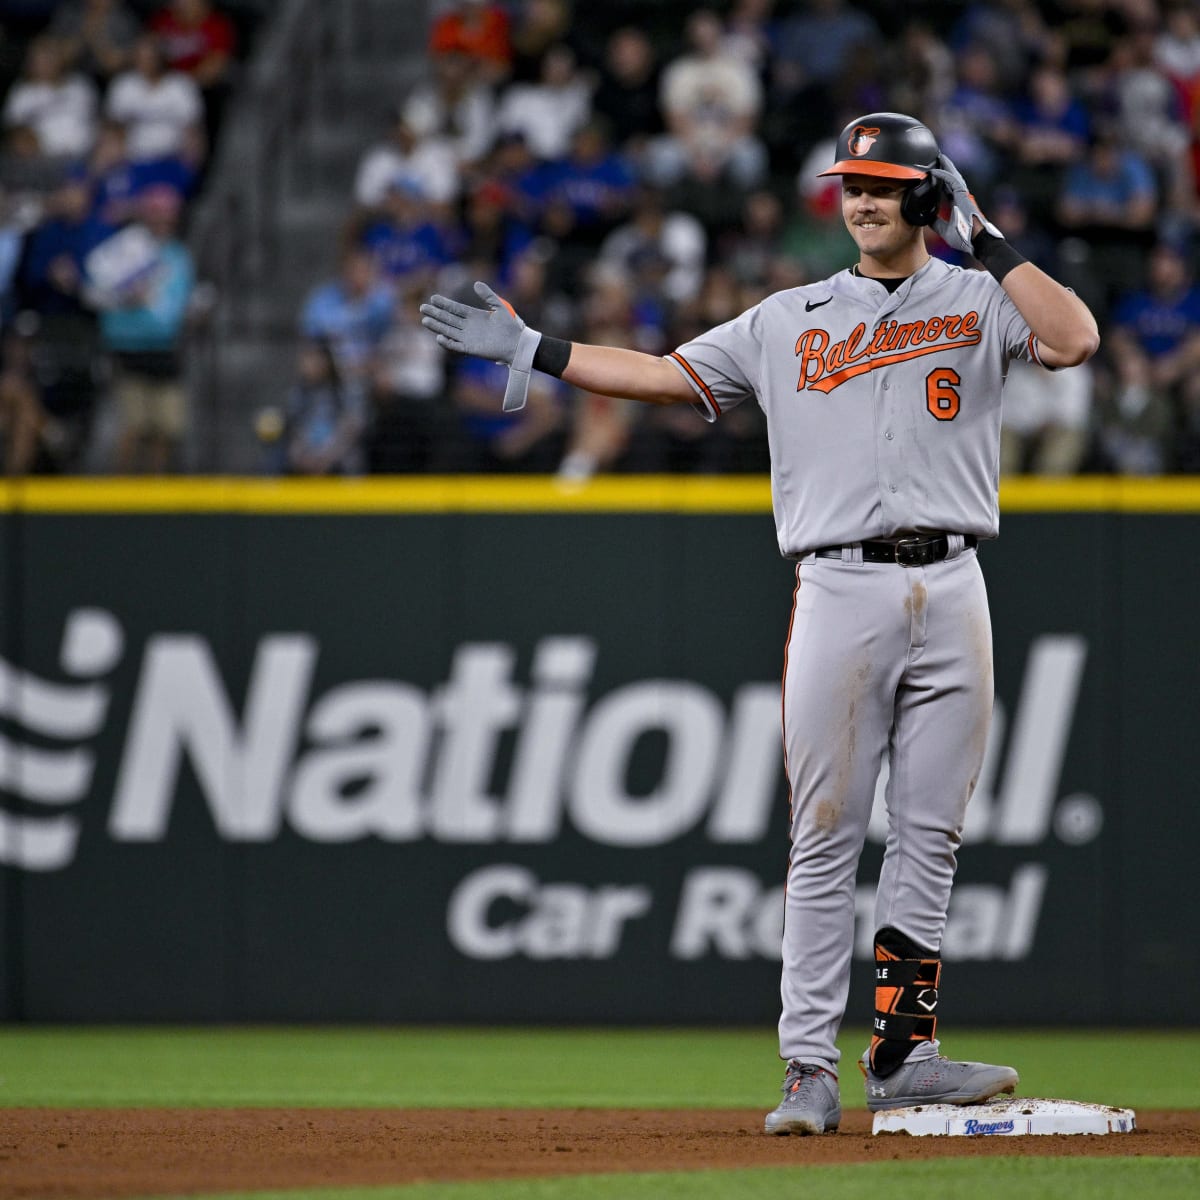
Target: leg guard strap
pixel 906 996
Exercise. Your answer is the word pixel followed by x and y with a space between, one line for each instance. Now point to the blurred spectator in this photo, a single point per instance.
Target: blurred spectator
pixel 199 41
pixel 26 429
pixel 352 313
pixel 323 420
pixel 144 330
pixel 1053 127
pixel 1154 348
pixel 519 177
pixel 27 176
pixel 1013 33
pixel 1047 419
pixel 602 427
pixel 197 38
pixel 1007 211
pixel 478 435
pixel 627 93
pixel 975 124
pixel 548 112
pixel 820 50
pixel 1085 33
pixel 58 105
pixel 710 103
pixel 1147 107
pixel 494 229
pixel 64 330
pixel 408 390
pixel 478 30
pixel 749 31
pixel 118 182
pixel 455 105
pixel 161 109
pixel 749 250
pixel 14 224
pixel 110 174
pixel 920 69
pixel 1110 201
pixel 1177 49
pixel 815 236
pixel 53 271
pixel 487 439
pixel 1135 424
pixel 412 153
pixel 97 36
pixel 675 438
pixel 676 236
pixel 528 288
pixel 539 25
pixel 588 192
pixel 1054 124
pixel 408 243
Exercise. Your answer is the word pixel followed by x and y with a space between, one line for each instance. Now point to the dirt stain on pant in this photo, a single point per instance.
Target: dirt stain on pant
pixel 828 812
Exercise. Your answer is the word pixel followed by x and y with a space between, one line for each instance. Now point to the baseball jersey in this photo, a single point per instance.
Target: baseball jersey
pixel 883 410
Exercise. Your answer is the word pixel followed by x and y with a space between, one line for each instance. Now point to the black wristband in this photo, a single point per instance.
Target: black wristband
pixel 995 255
pixel 552 355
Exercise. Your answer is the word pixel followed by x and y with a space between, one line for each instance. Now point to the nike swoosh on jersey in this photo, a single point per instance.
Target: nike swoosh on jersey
pixel 809 305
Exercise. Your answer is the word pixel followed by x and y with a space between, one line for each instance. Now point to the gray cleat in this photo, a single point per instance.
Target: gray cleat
pixel 936 1081
pixel 810 1104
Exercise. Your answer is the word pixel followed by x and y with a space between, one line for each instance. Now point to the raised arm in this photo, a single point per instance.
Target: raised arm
pixel 1063 325
pixel 499 334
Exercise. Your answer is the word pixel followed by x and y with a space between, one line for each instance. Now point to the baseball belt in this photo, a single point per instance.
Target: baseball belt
pixel 918 550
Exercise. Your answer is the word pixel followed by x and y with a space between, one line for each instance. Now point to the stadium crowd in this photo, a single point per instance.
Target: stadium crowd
pixel 109 111
pixel 628 173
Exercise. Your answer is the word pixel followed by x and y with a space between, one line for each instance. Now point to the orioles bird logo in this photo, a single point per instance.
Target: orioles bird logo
pixel 861 140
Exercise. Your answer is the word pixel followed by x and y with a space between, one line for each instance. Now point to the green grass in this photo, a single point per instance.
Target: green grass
pixel 947 1179
pixel 711 1068
pixel 423 1067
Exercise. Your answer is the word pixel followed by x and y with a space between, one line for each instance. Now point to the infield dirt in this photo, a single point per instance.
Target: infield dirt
pixel 102 1153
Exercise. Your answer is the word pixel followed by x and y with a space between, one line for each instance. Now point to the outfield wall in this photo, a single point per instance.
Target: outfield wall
pixel 482 750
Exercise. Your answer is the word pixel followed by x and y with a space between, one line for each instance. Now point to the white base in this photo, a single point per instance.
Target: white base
pixel 1005 1117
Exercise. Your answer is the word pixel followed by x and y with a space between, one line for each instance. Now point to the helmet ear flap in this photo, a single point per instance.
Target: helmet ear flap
pixel 919 204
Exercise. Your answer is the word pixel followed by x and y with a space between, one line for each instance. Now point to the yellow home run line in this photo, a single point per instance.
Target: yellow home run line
pixel 533 494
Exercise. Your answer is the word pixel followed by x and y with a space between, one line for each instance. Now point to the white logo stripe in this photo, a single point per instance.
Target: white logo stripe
pixel 44 776
pixel 40 844
pixel 51 709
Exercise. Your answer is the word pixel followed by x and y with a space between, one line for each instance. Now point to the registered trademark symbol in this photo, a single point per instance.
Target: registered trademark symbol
pixel 1078 819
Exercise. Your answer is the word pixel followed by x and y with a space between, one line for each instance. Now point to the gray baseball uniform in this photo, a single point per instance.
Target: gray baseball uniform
pixel 883 415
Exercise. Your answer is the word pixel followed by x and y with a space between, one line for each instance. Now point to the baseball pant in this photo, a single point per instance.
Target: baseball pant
pixel 880 659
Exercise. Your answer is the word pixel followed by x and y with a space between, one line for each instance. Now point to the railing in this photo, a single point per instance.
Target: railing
pixel 234 233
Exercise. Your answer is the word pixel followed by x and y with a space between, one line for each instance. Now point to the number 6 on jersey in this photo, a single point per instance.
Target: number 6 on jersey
pixel 941 396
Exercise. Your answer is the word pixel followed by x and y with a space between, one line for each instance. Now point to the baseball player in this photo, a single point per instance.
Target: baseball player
pixel 881 387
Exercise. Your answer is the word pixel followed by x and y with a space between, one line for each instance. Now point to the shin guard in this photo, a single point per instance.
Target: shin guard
pixel 906 996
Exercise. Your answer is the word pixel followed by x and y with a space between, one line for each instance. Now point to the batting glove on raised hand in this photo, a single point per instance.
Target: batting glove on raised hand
pixel 495 332
pixel 957 227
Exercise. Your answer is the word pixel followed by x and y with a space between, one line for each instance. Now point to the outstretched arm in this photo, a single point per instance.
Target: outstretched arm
pixel 630 374
pixel 499 334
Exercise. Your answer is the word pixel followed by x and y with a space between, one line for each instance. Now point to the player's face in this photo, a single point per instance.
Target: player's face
pixel 871 210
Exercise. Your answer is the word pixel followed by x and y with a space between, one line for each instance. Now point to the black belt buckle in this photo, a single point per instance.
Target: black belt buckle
pixel 918 551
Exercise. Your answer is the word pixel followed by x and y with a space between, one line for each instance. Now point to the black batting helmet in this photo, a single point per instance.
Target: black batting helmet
pixel 892 146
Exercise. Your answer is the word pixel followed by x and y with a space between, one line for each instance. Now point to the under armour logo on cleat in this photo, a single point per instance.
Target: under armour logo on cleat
pixel 876 1090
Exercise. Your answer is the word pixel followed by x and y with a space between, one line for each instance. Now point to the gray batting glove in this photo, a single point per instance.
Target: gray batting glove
pixel 957 227
pixel 495 332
